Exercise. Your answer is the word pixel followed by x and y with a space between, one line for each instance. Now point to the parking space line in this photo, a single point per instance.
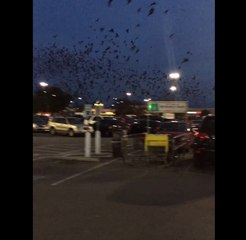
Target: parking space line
pixel 83 172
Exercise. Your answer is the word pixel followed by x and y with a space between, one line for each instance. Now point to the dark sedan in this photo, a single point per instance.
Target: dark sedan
pixel 204 143
pixel 107 125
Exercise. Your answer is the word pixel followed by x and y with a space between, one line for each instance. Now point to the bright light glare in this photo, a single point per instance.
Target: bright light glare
pixel 53 95
pixel 128 94
pixel 173 88
pixel 71 101
pixel 80 98
pixel 174 75
pixel 43 84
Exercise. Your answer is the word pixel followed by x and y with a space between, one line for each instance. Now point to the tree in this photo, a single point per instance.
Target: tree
pixel 52 99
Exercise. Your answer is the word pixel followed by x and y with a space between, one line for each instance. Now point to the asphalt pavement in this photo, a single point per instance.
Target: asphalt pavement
pixel 107 199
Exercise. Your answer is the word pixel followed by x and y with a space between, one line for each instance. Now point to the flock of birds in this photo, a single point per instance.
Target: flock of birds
pixel 97 69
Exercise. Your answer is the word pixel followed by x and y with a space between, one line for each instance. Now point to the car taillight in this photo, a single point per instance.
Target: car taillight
pixel 201 135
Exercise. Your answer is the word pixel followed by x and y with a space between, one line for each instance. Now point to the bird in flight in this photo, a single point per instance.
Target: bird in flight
pixel 185 60
pixel 151 11
pixel 109 2
pixel 171 35
pixel 152 4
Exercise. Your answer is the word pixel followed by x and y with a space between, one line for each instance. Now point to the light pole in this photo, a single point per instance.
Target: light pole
pixel 174 77
pixel 44 85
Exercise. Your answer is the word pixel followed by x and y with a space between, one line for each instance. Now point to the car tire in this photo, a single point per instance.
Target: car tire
pixel 52 131
pixel 70 133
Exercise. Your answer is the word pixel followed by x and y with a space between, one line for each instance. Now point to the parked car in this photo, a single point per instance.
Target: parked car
pixel 40 124
pixel 107 125
pixel 179 130
pixel 90 120
pixel 144 126
pixel 68 125
pixel 204 142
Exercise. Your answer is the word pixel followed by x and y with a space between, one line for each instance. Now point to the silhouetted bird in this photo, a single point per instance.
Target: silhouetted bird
pixel 97 19
pixel 171 35
pixel 151 11
pixel 128 1
pixel 185 60
pixel 111 30
pixel 152 4
pixel 138 25
pixel 166 11
pixel 109 2
pixel 139 9
pixel 127 30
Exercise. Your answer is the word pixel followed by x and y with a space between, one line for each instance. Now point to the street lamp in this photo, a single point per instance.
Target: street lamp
pixel 43 84
pixel 173 88
pixel 174 76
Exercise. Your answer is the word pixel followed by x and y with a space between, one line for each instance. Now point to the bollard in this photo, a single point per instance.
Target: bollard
pixel 97 142
pixel 87 144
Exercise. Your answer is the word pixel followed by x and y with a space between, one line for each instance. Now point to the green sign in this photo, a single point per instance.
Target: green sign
pixel 153 107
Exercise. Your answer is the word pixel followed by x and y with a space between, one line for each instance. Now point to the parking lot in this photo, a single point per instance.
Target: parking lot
pixel 107 199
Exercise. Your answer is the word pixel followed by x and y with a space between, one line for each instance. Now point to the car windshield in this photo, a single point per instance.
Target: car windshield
pixel 74 121
pixel 39 120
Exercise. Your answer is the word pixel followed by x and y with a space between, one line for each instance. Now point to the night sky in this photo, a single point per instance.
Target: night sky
pixel 100 49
